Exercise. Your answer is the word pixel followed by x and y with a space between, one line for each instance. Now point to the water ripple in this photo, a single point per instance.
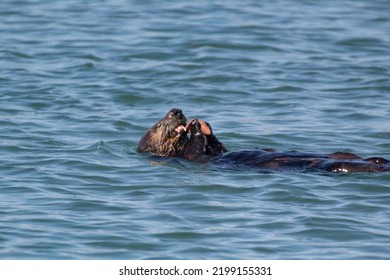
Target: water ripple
pixel 77 95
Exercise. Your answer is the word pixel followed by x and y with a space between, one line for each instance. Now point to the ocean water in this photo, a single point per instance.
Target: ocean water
pixel 81 81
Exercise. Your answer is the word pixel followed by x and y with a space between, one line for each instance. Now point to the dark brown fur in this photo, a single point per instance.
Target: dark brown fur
pixel 203 145
pixel 165 138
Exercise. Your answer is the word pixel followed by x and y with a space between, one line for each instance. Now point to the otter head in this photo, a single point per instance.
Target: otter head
pixel 167 137
pixel 203 144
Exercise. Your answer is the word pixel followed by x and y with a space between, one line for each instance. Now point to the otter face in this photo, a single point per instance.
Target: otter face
pixel 174 123
pixel 167 137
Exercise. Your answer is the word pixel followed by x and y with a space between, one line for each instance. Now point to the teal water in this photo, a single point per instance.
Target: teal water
pixel 81 81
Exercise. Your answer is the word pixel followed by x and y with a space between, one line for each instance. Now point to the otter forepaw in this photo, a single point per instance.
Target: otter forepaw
pixel 181 130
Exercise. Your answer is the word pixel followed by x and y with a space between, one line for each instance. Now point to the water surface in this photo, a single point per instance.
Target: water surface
pixel 81 81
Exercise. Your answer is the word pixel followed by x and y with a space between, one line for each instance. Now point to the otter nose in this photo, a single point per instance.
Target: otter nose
pixel 177 112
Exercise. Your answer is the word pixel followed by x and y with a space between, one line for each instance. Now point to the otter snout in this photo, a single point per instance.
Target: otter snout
pixel 177 115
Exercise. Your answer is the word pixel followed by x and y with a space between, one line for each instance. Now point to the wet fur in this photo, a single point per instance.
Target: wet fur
pixel 204 146
pixel 162 139
pixel 284 161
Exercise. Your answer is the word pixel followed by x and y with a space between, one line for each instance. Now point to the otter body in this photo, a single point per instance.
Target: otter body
pixel 286 161
pixel 203 146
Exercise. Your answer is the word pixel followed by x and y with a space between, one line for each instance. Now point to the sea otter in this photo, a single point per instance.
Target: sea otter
pixel 167 137
pixel 203 146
